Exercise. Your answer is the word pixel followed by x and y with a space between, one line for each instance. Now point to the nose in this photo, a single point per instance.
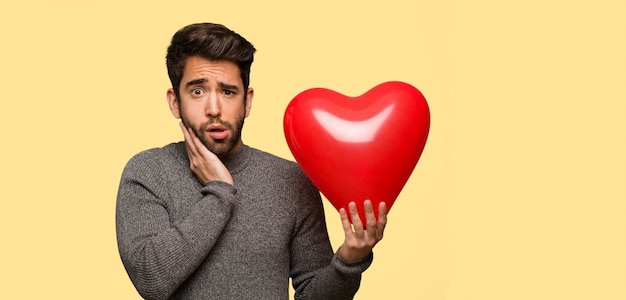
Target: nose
pixel 213 106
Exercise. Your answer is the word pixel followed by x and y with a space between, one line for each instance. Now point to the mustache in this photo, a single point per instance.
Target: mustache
pixel 198 130
pixel 214 120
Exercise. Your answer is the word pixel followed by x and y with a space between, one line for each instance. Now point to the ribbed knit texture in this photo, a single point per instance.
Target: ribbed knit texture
pixel 179 239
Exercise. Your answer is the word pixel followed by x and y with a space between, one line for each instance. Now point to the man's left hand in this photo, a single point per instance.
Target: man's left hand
pixel 360 241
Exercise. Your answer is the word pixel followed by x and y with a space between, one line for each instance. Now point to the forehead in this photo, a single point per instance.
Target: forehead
pixel 197 67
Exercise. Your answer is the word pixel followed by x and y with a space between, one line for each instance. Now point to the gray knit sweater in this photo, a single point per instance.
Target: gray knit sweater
pixel 179 239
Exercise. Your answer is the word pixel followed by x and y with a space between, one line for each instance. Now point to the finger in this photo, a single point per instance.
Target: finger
pixel 196 143
pixel 382 220
pixel 370 218
pixel 184 130
pixel 347 227
pixel 199 147
pixel 189 141
pixel 356 220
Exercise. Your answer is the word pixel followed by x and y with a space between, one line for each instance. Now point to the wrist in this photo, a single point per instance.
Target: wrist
pixel 348 255
pixel 354 268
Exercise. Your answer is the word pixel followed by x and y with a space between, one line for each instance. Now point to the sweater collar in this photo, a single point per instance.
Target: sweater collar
pixel 237 161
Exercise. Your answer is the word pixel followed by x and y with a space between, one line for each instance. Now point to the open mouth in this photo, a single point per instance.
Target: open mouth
pixel 217 131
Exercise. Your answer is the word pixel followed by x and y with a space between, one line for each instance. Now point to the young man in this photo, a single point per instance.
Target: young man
pixel 211 218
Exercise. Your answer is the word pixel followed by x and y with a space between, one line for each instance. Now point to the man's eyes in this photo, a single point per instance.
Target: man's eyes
pixel 197 91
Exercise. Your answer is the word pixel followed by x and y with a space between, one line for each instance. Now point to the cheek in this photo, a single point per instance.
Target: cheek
pixel 239 116
pixel 233 111
pixel 192 110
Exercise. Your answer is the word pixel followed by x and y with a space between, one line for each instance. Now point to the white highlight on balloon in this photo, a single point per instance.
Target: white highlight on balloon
pixel 352 131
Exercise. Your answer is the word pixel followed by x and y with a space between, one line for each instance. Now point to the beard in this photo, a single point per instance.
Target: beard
pixel 223 147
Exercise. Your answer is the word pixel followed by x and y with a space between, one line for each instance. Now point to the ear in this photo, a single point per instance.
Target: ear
pixel 249 97
pixel 173 103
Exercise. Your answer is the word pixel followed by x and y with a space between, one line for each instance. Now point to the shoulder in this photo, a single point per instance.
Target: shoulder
pixel 284 175
pixel 269 157
pixel 275 164
pixel 154 159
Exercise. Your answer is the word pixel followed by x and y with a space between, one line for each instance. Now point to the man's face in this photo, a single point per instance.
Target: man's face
pixel 212 103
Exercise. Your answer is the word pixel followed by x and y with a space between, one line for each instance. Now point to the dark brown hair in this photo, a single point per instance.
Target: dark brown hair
pixel 210 41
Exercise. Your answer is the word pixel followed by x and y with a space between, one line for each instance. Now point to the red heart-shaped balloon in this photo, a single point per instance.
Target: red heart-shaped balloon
pixel 358 148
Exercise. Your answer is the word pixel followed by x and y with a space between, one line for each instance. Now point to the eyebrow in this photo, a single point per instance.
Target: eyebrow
pixel 196 82
pixel 227 86
pixel 223 85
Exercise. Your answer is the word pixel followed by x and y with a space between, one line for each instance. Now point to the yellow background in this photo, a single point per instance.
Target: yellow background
pixel 520 192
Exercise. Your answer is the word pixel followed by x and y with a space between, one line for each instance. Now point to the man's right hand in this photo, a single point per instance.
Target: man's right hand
pixel 206 165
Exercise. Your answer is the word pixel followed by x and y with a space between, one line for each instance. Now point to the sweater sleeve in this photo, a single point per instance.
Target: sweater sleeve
pixel 317 273
pixel 160 255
